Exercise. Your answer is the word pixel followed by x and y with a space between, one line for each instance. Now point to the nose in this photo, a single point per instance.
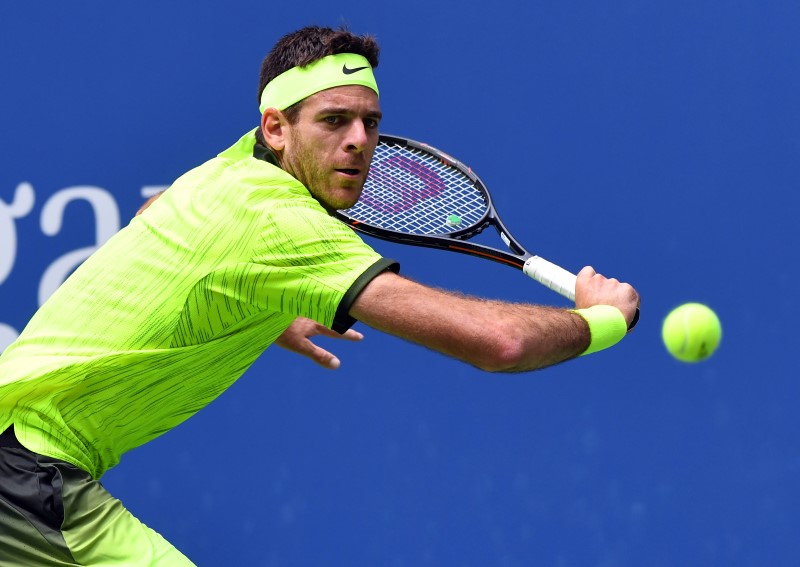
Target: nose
pixel 357 138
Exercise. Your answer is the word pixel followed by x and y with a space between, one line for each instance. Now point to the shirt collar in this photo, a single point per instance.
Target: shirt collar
pixel 265 154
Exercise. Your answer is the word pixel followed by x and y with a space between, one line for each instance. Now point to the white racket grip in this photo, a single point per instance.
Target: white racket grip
pixel 552 276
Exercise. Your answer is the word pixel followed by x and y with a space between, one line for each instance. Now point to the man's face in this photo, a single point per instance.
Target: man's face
pixel 330 147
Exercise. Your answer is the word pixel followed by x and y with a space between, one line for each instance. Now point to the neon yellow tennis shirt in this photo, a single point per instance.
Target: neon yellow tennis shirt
pixel 175 307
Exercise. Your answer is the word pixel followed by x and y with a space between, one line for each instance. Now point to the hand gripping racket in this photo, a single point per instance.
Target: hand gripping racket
pixel 416 194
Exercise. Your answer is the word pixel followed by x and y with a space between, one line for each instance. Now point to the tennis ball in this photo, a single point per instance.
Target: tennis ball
pixel 691 332
pixel 453 220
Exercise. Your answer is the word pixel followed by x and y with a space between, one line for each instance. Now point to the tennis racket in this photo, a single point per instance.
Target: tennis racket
pixel 416 194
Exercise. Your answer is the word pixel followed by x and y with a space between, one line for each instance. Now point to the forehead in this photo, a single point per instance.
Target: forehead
pixel 353 98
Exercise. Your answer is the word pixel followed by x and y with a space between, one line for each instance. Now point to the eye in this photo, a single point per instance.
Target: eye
pixel 332 120
pixel 370 123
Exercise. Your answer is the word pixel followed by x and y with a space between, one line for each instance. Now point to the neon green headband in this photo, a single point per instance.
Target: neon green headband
pixel 300 82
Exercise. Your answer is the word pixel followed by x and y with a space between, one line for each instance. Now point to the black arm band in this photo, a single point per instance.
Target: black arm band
pixel 343 320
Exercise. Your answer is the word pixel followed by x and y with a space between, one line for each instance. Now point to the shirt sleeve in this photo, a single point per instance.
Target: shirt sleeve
pixel 343 320
pixel 314 265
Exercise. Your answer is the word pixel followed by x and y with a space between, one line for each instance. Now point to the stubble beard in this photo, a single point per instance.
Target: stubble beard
pixel 317 180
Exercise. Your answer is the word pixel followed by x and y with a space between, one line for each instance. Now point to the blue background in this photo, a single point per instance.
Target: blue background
pixel 656 141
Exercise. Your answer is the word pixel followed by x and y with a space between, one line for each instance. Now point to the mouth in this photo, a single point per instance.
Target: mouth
pixel 349 171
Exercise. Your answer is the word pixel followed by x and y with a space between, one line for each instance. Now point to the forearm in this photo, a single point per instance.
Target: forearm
pixel 491 335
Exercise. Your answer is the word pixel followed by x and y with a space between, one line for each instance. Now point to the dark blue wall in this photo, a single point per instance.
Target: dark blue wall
pixel 657 141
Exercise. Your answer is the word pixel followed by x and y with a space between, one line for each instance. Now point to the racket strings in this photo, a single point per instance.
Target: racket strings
pixel 412 191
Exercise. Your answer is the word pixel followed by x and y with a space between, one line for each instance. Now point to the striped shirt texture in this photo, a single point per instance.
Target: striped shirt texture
pixel 174 308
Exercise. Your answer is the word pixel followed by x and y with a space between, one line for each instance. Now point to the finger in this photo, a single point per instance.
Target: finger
pixel 316 354
pixel 352 335
pixel 324 358
pixel 586 272
pixel 349 334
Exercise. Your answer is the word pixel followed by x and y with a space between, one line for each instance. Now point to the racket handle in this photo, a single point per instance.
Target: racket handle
pixel 552 276
pixel 558 279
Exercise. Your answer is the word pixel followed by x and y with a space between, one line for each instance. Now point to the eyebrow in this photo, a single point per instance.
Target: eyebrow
pixel 345 110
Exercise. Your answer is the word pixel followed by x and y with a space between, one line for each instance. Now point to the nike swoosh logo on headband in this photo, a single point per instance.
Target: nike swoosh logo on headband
pixel 348 71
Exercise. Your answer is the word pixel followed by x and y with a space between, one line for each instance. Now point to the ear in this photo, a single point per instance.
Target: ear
pixel 273 127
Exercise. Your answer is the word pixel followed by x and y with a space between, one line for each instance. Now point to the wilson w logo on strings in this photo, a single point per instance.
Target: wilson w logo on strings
pixel 398 183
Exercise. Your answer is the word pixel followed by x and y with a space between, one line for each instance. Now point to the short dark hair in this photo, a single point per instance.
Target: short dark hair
pixel 309 44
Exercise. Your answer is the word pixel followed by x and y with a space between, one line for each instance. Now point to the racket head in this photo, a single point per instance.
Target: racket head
pixel 414 189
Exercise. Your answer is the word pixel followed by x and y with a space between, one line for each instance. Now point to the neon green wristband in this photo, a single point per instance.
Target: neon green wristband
pixel 606 324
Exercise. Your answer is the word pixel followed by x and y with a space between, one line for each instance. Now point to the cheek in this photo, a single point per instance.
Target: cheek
pixel 310 170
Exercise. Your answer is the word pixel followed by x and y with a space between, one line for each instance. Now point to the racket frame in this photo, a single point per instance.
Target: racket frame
pixel 456 240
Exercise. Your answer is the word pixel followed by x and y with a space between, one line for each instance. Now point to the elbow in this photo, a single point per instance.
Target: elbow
pixel 504 354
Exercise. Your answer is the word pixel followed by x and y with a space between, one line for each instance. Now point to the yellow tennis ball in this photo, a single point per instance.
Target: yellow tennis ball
pixel 691 332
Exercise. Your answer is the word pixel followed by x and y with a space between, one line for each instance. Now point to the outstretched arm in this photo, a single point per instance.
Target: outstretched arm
pixel 492 335
pixel 147 203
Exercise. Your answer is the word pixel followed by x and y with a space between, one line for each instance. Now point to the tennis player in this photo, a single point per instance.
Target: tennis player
pixel 239 253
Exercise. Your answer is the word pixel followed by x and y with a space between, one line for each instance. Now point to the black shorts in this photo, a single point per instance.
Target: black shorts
pixel 53 513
